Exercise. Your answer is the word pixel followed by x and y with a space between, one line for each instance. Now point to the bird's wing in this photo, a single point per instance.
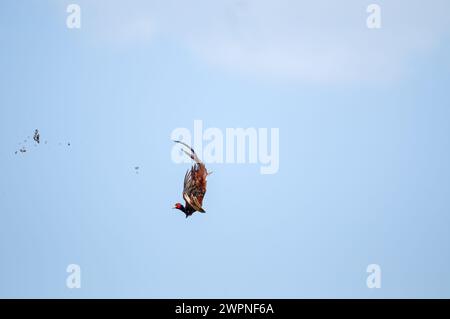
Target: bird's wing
pixel 194 202
pixel 194 188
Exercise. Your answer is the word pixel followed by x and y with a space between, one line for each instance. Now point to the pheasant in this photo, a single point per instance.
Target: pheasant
pixel 194 185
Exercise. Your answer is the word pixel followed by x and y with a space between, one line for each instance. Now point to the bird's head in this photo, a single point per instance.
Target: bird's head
pixel 179 206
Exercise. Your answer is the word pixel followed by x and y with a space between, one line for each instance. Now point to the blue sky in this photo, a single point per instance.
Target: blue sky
pixel 364 149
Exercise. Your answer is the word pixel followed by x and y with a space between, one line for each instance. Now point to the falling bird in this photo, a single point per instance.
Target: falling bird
pixel 194 185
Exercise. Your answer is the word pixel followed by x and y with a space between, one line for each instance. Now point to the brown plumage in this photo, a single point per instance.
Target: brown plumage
pixel 194 187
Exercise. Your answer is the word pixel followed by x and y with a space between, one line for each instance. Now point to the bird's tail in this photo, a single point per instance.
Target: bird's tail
pixel 192 154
